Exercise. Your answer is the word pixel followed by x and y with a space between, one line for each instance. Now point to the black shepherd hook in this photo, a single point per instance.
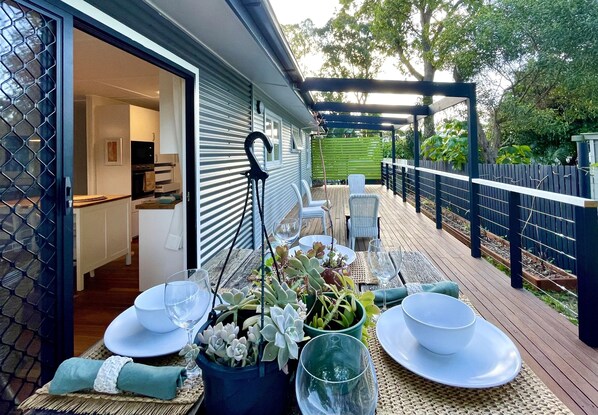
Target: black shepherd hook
pixel 255 172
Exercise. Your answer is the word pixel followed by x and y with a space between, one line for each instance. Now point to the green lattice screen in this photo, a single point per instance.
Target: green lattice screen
pixel 344 156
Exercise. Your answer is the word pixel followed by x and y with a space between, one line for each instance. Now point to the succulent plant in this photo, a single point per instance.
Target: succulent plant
pixel 305 270
pixel 234 301
pixel 221 344
pixel 283 329
pixel 316 251
pixel 276 294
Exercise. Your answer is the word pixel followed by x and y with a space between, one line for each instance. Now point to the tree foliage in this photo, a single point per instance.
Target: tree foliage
pixel 450 144
pixel 544 56
pixel 349 47
pixel 414 31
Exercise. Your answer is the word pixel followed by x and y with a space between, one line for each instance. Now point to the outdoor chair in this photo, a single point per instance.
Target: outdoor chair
pixel 356 184
pixel 309 212
pixel 310 201
pixel 363 222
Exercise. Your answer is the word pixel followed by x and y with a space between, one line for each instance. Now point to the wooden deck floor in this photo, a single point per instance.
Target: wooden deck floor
pixel 547 342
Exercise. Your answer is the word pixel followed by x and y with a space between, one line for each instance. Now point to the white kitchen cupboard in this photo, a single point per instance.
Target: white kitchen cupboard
pixel 101 233
pixel 155 261
pixel 135 215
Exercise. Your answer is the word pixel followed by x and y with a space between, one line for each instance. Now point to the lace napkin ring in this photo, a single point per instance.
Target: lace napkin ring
pixel 107 376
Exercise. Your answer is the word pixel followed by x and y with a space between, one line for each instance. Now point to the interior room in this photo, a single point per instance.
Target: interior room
pixel 122 151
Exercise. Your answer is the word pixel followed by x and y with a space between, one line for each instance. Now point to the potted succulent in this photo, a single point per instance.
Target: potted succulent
pixel 332 301
pixel 244 363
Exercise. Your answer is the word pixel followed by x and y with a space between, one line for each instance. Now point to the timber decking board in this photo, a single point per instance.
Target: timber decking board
pixel 546 340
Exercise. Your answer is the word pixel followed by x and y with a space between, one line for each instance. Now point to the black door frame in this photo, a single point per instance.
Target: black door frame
pixel 111 36
pixel 88 24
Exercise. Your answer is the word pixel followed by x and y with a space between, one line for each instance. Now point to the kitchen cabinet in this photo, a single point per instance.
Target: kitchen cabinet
pixel 145 124
pixel 156 262
pixel 102 232
pixel 135 215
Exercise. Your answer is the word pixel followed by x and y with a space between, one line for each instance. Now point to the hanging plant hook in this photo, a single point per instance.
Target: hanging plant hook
pixel 255 171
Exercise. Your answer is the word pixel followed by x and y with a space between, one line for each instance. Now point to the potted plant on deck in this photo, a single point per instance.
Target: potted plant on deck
pixel 330 295
pixel 241 373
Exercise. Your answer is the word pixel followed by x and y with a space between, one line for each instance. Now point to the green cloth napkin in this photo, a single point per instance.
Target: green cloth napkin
pixel 394 296
pixel 160 382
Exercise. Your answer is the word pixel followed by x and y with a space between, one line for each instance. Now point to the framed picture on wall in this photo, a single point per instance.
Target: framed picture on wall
pixel 113 152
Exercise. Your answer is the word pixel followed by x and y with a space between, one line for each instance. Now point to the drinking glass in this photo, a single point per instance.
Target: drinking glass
pixel 381 266
pixel 187 295
pixel 340 381
pixel 286 231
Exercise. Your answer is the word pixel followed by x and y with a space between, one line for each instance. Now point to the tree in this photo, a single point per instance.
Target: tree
pixel 413 32
pixel 542 58
pixel 302 41
pixel 349 48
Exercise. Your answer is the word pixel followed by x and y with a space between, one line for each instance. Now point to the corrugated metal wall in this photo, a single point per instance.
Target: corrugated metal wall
pixel 280 198
pixel 225 121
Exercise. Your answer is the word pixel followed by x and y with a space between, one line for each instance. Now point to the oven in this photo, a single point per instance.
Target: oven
pixel 143 181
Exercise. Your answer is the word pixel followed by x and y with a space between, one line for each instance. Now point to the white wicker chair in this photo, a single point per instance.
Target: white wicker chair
pixel 310 201
pixel 309 212
pixel 356 184
pixel 363 223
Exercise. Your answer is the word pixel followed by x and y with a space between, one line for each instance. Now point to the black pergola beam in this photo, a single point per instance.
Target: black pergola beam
pixel 424 88
pixel 372 108
pixel 365 119
pixel 357 126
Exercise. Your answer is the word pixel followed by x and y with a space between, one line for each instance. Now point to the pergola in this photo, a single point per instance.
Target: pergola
pixel 363 116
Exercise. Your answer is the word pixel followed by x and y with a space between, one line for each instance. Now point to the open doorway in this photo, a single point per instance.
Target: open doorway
pixel 126 150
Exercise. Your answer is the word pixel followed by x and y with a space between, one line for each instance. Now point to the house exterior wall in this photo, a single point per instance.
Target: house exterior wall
pixel 280 198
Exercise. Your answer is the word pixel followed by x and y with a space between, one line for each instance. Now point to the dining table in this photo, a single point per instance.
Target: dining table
pixel 400 391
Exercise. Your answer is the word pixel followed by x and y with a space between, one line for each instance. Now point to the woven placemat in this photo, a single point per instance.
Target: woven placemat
pixel 404 392
pixel 360 272
pixel 125 403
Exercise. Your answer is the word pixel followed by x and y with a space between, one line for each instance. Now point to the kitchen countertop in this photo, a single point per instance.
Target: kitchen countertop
pixel 79 200
pixel 154 204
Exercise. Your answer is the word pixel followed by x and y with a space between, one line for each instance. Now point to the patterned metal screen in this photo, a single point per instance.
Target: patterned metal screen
pixel 28 201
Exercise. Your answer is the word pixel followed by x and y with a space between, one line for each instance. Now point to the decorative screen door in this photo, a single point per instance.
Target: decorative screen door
pixel 36 266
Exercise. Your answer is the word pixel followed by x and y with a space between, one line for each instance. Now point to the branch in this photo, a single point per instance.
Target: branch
pixel 410 68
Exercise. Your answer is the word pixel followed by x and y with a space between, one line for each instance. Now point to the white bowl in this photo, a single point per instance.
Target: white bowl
pixel 439 322
pixel 151 312
pixel 307 242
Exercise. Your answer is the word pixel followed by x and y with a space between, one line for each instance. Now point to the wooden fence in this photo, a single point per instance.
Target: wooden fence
pixel 344 156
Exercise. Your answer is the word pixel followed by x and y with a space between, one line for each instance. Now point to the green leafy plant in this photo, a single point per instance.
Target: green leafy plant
pixel 514 154
pixel 450 144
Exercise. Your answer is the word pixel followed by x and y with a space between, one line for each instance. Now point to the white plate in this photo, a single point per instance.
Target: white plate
pixel 338 248
pixel 491 359
pixel 126 337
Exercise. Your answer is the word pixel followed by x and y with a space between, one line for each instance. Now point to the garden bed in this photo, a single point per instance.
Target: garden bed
pixel 538 272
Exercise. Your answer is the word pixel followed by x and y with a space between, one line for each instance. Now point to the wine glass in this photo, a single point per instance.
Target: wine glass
pixel 340 381
pixel 187 295
pixel 381 266
pixel 286 231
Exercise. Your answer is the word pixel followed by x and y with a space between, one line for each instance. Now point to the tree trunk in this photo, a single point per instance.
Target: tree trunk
pixel 429 72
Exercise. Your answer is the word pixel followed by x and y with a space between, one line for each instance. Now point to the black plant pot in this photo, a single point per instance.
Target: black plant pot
pixel 238 391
